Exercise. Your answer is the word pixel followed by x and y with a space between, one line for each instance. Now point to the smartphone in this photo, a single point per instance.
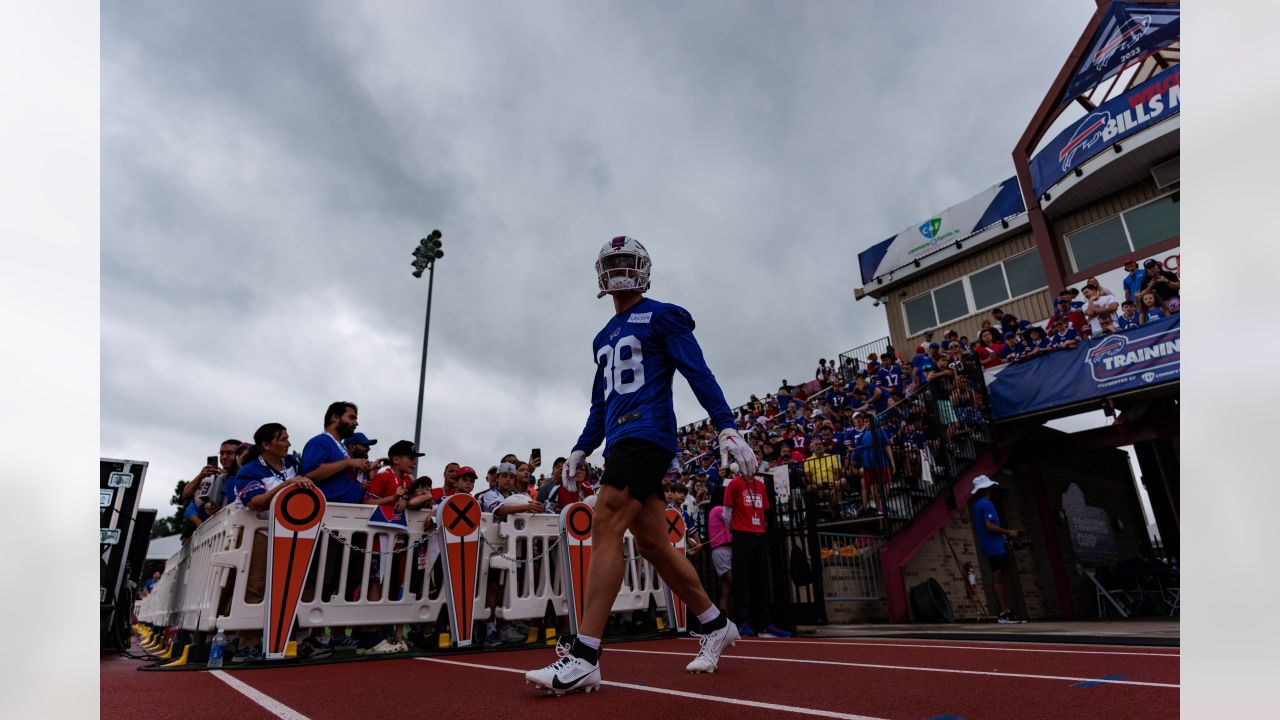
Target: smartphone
pixel 536 453
pixel 211 461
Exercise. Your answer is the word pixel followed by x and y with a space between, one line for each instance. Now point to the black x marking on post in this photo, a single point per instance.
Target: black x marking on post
pixel 462 515
pixel 671 525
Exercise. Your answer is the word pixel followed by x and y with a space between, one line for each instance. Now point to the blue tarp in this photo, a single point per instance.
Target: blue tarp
pixel 1111 364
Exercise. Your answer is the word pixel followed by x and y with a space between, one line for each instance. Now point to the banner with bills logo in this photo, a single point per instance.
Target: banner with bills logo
pixel 1154 100
pixel 1128 32
pixel 1111 364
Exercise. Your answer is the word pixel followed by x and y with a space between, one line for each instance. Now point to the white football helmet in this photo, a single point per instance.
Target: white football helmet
pixel 623 265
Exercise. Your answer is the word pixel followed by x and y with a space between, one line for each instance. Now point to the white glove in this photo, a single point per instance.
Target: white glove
pixel 733 446
pixel 569 475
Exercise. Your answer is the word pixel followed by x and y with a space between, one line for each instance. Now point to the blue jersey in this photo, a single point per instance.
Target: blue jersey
pixel 890 379
pixel 340 486
pixel 1124 322
pixel 636 355
pixel 870 447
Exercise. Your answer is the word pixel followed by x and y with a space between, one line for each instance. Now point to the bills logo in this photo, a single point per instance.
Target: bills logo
pixel 1129 33
pixel 1118 356
pixel 614 334
pixel 1087 134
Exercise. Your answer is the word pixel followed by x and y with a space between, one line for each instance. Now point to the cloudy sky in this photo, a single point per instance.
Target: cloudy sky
pixel 267 168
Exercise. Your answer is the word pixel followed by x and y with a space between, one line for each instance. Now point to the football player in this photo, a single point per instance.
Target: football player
pixel 636 355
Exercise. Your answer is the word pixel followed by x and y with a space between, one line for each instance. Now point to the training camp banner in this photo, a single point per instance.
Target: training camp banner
pixel 1120 362
pixel 1129 31
pixel 1119 117
pixel 956 223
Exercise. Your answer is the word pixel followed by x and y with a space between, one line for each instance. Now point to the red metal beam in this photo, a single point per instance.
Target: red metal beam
pixel 898 551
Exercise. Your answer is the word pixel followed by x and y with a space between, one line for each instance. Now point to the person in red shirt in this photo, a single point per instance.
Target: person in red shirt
pixel 988 348
pixel 389 487
pixel 745 500
pixel 1074 318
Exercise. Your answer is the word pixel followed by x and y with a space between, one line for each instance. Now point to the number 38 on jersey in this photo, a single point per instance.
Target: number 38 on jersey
pixel 621 366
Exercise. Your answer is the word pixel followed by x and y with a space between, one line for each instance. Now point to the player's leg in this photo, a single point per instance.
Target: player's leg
pixel 615 511
pixel 649 528
pixel 578 668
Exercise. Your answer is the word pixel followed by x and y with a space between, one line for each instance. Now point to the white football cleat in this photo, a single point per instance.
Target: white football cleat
pixel 712 645
pixel 568 674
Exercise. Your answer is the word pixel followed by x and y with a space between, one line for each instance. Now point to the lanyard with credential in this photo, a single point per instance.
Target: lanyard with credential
pixel 750 487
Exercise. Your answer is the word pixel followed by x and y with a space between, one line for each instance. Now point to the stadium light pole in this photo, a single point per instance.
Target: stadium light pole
pixel 424 258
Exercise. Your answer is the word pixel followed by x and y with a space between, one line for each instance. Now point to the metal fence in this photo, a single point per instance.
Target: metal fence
pixel 851 566
pixel 795 577
pixel 851 361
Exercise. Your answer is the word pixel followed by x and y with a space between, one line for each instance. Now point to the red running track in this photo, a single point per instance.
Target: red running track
pixel 838 678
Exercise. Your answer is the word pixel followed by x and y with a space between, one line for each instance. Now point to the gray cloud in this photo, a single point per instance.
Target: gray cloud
pixel 267 168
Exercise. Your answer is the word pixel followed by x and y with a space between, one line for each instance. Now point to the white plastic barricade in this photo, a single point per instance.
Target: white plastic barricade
pixel 203 586
pixel 530 566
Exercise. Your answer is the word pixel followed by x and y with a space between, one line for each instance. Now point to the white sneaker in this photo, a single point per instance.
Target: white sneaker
pixel 512 634
pixel 568 674
pixel 386 647
pixel 711 646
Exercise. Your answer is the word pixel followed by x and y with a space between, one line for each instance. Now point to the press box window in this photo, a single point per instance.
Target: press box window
pixel 950 302
pixel 1025 273
pixel 988 287
pixel 1098 243
pixel 1151 223
pixel 919 313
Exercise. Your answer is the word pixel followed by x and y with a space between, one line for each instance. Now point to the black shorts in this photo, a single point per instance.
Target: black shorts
pixel 998 562
pixel 637 466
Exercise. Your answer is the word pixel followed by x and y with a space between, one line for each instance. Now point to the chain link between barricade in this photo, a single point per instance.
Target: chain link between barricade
pixel 414 546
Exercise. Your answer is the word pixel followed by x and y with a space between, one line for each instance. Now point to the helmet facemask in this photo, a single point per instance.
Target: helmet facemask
pixel 625 269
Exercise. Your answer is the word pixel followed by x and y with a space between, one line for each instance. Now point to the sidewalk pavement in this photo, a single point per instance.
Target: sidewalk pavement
pixel 1158 633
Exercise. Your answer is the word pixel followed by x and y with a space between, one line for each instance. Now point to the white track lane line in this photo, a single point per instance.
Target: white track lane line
pixel 273 706
pixel 908 667
pixel 860 643
pixel 812 712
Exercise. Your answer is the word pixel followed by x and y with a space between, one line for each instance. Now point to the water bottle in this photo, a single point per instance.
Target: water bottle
pixel 215 650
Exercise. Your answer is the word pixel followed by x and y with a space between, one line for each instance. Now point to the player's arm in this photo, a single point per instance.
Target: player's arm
pixel 676 329
pixel 593 432
pixel 591 437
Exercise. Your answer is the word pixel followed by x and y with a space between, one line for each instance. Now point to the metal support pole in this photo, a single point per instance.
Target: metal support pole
pixel 422 383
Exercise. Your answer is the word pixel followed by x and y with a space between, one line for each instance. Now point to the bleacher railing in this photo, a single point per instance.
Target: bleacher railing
pixel 204 584
pixel 935 432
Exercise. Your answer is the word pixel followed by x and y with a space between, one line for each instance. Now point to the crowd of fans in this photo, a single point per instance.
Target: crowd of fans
pixel 1150 293
pixel 340 463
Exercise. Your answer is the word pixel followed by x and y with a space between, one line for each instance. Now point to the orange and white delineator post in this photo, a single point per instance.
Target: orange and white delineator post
pixel 677 611
pixel 458 518
pixel 296 513
pixel 575 551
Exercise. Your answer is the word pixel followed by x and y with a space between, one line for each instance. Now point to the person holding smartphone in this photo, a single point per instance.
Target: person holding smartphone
pixel 205 493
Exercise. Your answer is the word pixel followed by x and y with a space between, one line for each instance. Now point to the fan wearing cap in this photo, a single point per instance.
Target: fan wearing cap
pixel 1037 342
pixel 1073 317
pixel 1163 284
pixel 389 487
pixel 1064 336
pixel 991 536
pixel 358 446
pixel 1134 281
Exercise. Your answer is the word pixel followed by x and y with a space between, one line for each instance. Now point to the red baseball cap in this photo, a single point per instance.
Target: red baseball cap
pixel 465 470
